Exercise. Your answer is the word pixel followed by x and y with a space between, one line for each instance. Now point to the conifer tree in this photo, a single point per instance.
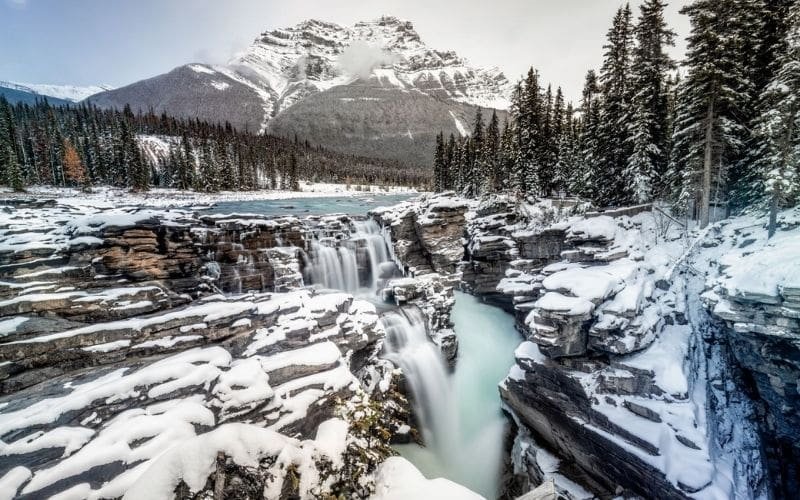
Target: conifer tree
pixel 491 150
pixel 648 161
pixel 708 127
pixel 544 147
pixel 439 164
pixel 612 132
pixel 566 167
pixel 778 128
pixel 529 126
pixel 293 174
pixel 587 179
pixel 12 170
pixel 449 163
pixel 507 157
pixel 476 167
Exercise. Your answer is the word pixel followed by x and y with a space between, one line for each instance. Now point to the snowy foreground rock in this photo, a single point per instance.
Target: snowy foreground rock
pixel 151 354
pixel 659 362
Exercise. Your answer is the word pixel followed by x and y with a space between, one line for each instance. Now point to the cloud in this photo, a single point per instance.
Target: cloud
pixel 359 59
pixel 17 3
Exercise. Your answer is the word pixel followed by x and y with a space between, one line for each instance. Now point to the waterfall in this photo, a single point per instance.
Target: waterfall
pixel 460 413
pixel 377 248
pixel 337 265
pixel 335 268
pixel 408 346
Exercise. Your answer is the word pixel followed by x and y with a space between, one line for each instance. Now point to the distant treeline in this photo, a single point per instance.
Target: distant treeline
pixel 83 145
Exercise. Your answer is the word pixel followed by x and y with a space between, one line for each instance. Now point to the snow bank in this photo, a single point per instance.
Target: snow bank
pixel 398 479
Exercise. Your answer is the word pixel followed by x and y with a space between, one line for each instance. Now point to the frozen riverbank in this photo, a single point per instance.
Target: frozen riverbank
pixel 109 197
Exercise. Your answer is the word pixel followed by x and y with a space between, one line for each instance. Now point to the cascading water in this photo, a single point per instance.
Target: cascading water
pixel 336 264
pixel 408 346
pixel 377 248
pixel 460 414
pixel 333 267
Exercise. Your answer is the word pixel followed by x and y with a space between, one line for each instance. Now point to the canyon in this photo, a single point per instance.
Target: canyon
pixel 650 359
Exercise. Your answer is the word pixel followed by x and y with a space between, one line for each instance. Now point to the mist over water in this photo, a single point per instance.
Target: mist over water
pixel 468 446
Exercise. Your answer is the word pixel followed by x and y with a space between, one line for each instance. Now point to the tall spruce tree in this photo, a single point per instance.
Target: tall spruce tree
pixel 529 127
pixel 13 172
pixel 544 147
pixel 777 168
pixel 439 164
pixel 708 127
pixel 648 161
pixel 477 166
pixel 449 163
pixel 588 178
pixel 612 131
pixel 507 158
pixel 566 167
pixel 491 159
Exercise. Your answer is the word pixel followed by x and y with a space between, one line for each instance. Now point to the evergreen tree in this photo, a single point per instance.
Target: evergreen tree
pixel 439 164
pixel 449 163
pixel 554 143
pixel 506 159
pixel 587 180
pixel 529 127
pixel 491 149
pixel 648 162
pixel 778 128
pixel 12 170
pixel 476 166
pixel 612 129
pixel 566 167
pixel 708 127
pixel 294 179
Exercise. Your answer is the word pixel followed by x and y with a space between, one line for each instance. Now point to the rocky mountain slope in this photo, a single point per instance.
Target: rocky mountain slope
pixel 373 88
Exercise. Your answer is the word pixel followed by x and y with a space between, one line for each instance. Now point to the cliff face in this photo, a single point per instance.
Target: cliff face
pixel 660 362
pixel 755 302
pixel 124 369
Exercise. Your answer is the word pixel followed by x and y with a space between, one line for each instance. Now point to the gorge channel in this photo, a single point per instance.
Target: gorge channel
pixel 458 414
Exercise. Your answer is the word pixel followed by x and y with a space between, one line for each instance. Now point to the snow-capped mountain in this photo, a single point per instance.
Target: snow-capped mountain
pixel 70 93
pixel 315 56
pixel 373 88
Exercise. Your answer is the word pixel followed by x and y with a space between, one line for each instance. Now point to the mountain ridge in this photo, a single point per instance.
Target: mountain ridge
pixel 367 83
pixel 71 93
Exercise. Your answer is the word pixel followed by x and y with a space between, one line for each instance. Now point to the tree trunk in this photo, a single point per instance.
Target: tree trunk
pixel 785 148
pixel 773 215
pixel 705 199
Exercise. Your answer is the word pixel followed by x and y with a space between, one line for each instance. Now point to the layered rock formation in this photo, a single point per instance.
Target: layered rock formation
pixel 426 234
pixel 116 344
pixel 756 302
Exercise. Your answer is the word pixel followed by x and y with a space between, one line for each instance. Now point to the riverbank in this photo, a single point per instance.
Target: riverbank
pixel 110 197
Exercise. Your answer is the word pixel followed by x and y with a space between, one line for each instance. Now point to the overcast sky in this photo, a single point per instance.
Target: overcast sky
pixel 117 42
